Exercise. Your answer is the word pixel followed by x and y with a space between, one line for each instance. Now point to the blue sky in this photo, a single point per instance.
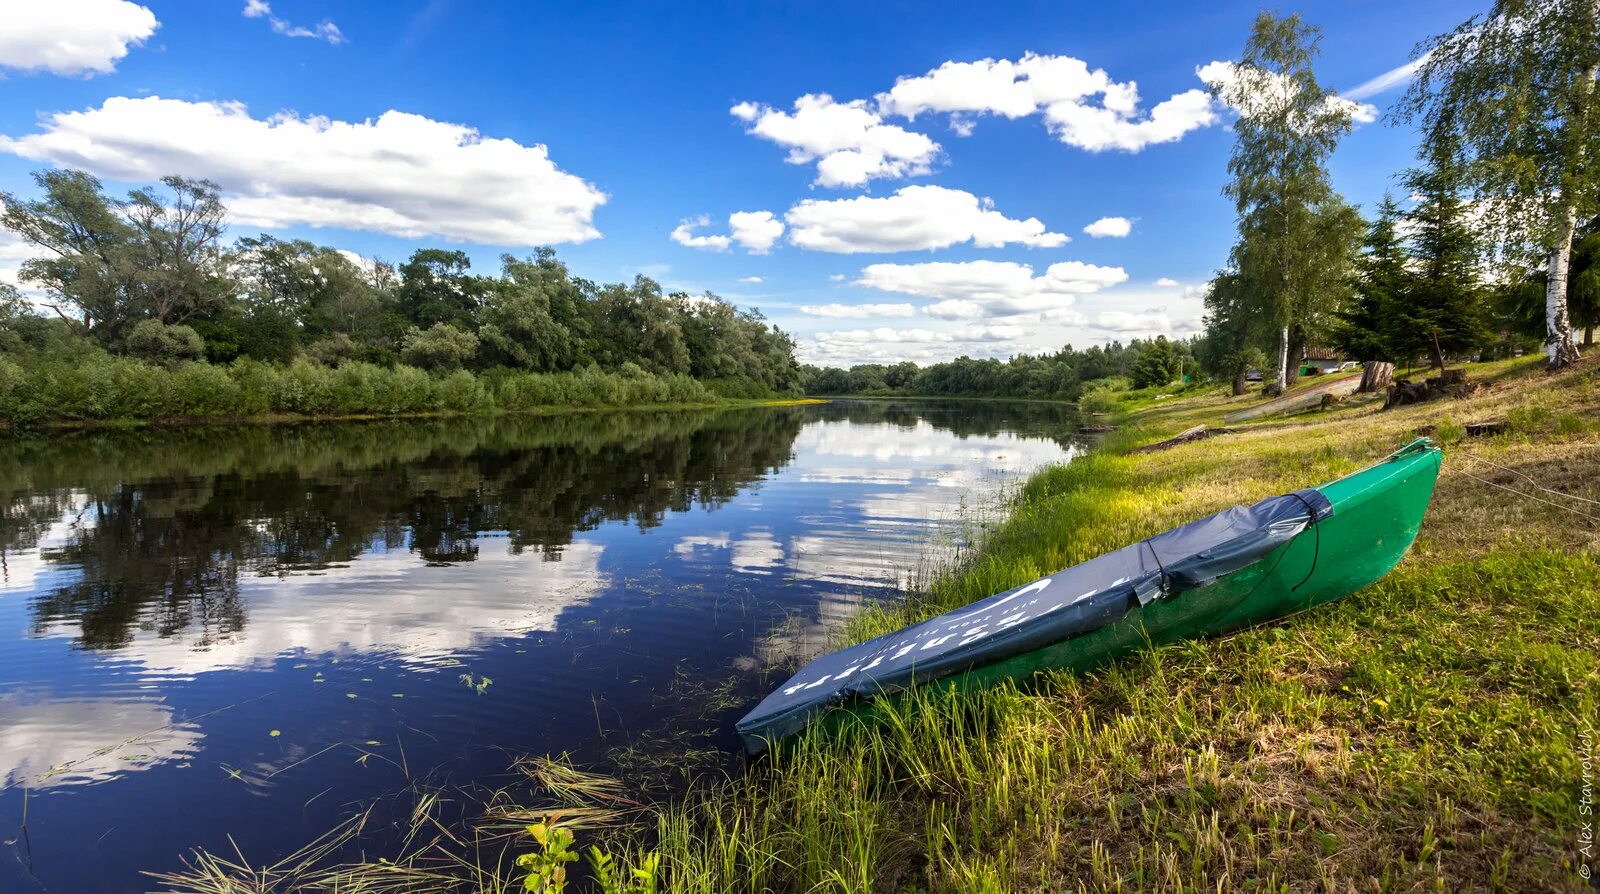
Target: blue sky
pixel 382 127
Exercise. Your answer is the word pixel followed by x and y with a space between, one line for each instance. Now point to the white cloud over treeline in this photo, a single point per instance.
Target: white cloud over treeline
pixel 854 142
pixel 401 174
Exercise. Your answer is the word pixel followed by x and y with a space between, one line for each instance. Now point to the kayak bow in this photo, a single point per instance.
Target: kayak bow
pixel 1238 567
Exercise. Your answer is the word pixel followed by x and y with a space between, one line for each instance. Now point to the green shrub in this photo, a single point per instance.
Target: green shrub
pixel 461 392
pixel 406 389
pixel 355 388
pixel 158 342
pixel 100 386
pixel 254 383
pixel 304 387
pixel 17 406
pixel 737 387
pixel 442 347
pixel 200 389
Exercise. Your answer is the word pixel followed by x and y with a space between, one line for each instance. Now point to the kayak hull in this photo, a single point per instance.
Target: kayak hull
pixel 1376 514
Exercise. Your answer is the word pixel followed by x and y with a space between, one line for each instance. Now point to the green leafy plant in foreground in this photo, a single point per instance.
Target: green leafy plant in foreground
pixel 547 866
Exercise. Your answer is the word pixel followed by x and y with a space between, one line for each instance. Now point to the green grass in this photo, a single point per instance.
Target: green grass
pixel 1420 735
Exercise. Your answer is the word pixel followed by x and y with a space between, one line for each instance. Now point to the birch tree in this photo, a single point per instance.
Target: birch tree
pixel 1290 218
pixel 1516 89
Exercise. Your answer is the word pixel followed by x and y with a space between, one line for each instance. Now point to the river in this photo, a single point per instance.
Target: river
pixel 218 636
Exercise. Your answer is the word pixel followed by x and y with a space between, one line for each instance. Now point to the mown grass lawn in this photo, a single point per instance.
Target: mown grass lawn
pixel 1423 734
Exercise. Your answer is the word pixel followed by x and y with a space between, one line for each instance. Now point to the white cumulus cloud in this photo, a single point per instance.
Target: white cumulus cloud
pixel 757 231
pixel 324 30
pixel 684 234
pixel 980 289
pixel 1134 323
pixel 1110 227
pixel 1167 282
pixel 848 141
pixel 401 174
pixel 14 251
pixel 71 37
pixel 914 218
pixel 752 280
pixel 858 311
pixel 1082 107
pixel 885 344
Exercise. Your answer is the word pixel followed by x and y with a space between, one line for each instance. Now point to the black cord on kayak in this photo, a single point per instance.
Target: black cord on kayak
pixel 1316 551
pixel 1160 566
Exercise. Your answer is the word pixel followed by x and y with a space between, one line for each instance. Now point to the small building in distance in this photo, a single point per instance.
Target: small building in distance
pixel 1319 360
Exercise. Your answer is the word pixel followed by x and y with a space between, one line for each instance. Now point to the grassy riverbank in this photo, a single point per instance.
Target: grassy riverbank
pixel 115 390
pixel 1423 734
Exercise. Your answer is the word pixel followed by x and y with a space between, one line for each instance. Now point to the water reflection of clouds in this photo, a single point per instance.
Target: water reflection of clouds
pixel 47 742
pixel 915 488
pixel 384 601
pixel 756 551
pixel 859 506
pixel 881 531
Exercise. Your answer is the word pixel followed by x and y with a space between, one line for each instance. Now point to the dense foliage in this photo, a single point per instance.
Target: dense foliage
pixel 1459 272
pixel 1058 376
pixel 1418 290
pixel 104 387
pixel 145 290
pixel 1511 96
pixel 1520 301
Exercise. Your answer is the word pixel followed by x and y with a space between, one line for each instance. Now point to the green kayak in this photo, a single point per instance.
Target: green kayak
pixel 1238 567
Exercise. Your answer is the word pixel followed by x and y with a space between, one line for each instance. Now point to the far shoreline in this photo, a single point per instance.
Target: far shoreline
pixel 67 426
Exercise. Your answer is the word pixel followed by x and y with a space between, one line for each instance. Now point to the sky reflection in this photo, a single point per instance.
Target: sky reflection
pixel 202 633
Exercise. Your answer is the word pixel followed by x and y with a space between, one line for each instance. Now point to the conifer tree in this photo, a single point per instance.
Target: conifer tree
pixel 1440 308
pixel 1380 275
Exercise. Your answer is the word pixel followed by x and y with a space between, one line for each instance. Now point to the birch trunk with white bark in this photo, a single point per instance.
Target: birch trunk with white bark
pixel 1559 348
pixel 1283 359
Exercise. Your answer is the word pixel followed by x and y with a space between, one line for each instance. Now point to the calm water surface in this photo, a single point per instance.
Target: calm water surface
pixel 252 632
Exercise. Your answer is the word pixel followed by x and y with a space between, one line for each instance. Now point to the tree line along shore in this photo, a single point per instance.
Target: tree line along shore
pixel 1493 252
pixel 145 311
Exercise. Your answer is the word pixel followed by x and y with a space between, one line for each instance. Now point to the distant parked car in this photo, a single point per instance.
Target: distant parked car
pixel 1252 375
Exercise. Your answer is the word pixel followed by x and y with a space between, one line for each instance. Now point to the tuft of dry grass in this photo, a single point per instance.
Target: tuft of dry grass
pixel 439 852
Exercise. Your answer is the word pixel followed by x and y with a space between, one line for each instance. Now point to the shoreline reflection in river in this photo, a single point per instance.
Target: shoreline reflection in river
pixel 201 631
